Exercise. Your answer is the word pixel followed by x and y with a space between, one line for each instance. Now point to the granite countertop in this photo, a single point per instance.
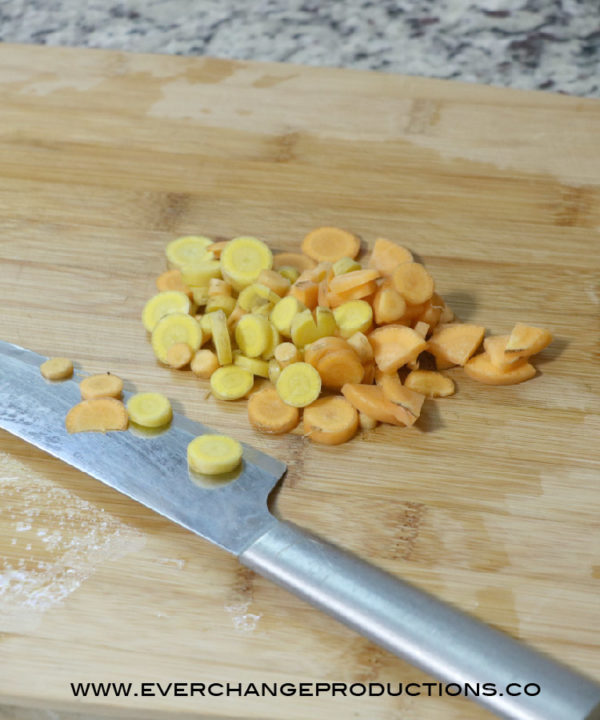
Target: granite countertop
pixel 535 44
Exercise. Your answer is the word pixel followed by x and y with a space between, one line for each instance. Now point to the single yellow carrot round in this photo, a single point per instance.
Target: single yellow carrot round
pixel 214 454
pixel 299 384
pixel 231 382
pixel 149 409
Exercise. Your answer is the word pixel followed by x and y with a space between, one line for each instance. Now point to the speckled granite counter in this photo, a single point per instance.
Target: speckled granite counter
pixel 542 44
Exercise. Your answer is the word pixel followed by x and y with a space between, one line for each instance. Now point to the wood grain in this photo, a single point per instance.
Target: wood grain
pixel 492 503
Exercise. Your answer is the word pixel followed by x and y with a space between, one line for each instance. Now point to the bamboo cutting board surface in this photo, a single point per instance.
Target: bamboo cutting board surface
pixel 491 503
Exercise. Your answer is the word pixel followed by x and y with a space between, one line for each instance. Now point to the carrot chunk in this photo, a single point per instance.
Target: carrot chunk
pixel 98 415
pixel 348 281
pixel 296 260
pixel 269 414
pixel 105 385
pixel 394 346
pixel 317 349
pixel 408 401
pixel 455 343
pixel 495 347
pixel 388 306
pixel 340 367
pixel 370 400
pixel 481 368
pixel 413 282
pixel 429 383
pixel 330 421
pixel 306 292
pixel 525 340
pixel 179 355
pixel 172 280
pixel 330 244
pixel 386 256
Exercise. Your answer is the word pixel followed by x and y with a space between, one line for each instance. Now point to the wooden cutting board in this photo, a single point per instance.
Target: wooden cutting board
pixel 491 502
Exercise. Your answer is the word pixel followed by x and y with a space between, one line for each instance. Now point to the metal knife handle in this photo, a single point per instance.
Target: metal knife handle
pixel 445 642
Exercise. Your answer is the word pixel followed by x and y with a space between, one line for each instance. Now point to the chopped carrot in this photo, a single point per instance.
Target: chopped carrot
pixel 386 256
pixel 179 355
pixel 388 306
pixel 323 271
pixel 99 414
pixel 366 423
pixel 395 345
pixel 217 248
pixel 495 347
pixel 341 284
pixel 330 421
pixel 432 311
pixel 360 292
pixel 481 368
pixel 274 281
pixel 306 292
pixel 57 368
pixel 413 313
pixel 407 400
pixel 340 367
pixel 370 400
pixel 204 363
pixel 421 328
pixel 455 343
pixel 287 353
pixel 105 385
pixel 216 286
pixel 172 280
pixel 413 282
pixel 525 341
pixel 369 377
pixel 269 414
pixel 360 342
pixel 317 349
pixel 330 244
pixel 429 383
pixel 296 260
pixel 323 295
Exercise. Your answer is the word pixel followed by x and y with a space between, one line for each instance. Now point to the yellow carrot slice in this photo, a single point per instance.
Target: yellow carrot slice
pixel 275 281
pixel 354 316
pixel 257 367
pixel 165 303
pixel 252 334
pixel 218 287
pixel 287 353
pixel 175 328
pixel 214 454
pixel 284 313
pixel 187 250
pixel 299 384
pixel 242 261
pixel 231 382
pixel 149 409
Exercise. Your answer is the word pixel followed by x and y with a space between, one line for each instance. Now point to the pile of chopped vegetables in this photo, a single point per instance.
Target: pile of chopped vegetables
pixel 351 345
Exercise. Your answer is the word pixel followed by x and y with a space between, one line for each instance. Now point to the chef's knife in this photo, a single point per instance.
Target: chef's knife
pixel 434 636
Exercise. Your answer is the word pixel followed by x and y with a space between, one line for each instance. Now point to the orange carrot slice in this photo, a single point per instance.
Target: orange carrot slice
pixel 274 281
pixel 408 401
pixel 525 340
pixel 370 400
pixel 323 271
pixel 340 367
pixel 328 244
pixel 297 260
pixel 388 306
pixel 394 346
pixel 100 414
pixel 495 347
pixel 104 385
pixel 348 281
pixel 432 311
pixel 317 349
pixel 386 256
pixel 268 413
pixel 179 355
pixel 481 368
pixel 455 343
pixel 172 280
pixel 429 383
pixel 307 292
pixel 330 421
pixel 217 248
pixel 413 282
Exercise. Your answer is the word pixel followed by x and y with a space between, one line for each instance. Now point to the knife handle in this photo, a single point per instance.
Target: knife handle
pixel 438 638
